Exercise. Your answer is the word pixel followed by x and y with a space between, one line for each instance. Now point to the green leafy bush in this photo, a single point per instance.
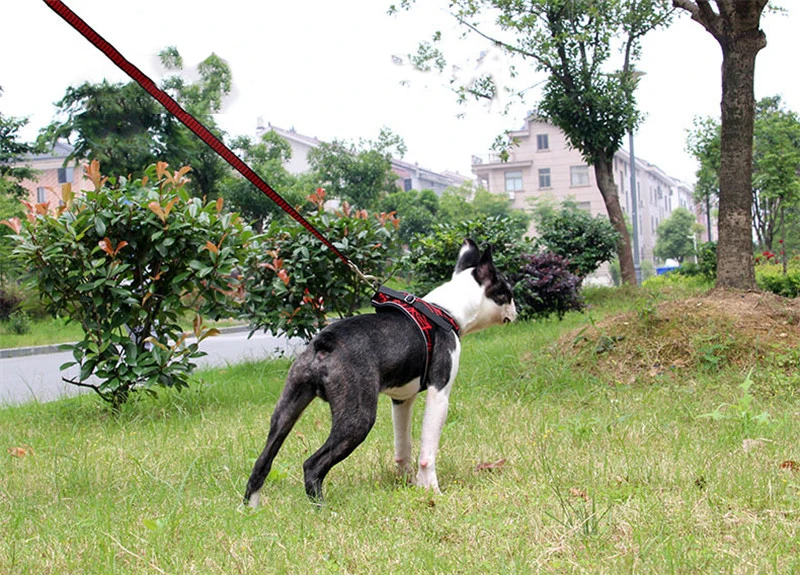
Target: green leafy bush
pixel 572 233
pixel 430 262
pixel 770 277
pixel 19 322
pixel 10 300
pixel 301 282
pixel 127 261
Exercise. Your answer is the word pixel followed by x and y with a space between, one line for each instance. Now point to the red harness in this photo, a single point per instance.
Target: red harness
pixel 424 315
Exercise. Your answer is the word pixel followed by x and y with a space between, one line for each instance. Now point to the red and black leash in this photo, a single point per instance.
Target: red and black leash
pixel 196 127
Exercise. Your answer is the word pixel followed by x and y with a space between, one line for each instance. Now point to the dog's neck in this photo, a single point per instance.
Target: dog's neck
pixel 464 300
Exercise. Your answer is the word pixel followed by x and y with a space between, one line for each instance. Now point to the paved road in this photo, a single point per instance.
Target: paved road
pixel 37 377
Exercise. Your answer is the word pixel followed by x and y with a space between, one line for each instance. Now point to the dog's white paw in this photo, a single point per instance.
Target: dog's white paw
pixel 426 478
pixel 255 499
pixel 403 468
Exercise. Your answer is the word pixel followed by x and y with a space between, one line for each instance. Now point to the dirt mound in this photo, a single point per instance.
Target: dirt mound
pixel 716 330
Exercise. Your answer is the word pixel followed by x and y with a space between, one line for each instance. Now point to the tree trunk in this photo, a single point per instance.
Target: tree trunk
pixel 737 29
pixel 604 173
pixel 735 248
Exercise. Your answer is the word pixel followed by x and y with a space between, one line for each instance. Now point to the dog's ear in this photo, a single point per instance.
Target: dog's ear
pixel 469 256
pixel 485 273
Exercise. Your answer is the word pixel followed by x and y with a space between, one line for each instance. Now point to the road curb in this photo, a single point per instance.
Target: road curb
pixel 59 347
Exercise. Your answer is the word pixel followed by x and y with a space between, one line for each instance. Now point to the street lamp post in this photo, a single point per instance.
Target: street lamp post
pixel 634 212
pixel 635 198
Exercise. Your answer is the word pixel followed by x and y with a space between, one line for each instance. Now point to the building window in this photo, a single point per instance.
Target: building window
pixel 585 206
pixel 544 178
pixel 41 195
pixel 513 182
pixel 65 175
pixel 578 176
pixel 407 184
pixel 542 142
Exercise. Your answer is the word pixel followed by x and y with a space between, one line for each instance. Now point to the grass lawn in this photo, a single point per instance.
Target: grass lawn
pixel 42 332
pixel 58 330
pixel 606 470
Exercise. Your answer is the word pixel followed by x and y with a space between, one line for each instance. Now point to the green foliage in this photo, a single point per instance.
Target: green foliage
pixel 776 165
pixel 572 233
pixel 359 174
pixel 417 211
pixel 433 256
pixel 124 128
pixel 126 262
pixel 743 411
pixel 12 151
pixel 675 236
pixel 10 300
pixel 266 158
pixel 19 322
pixel 469 202
pixel 771 277
pixel 302 283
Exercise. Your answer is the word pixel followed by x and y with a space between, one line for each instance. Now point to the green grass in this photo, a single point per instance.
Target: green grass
pixel 58 330
pixel 599 477
pixel 42 332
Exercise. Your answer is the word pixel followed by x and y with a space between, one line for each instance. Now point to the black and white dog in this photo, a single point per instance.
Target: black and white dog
pixel 353 360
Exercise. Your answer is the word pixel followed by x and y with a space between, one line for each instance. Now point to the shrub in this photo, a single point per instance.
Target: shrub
pixel 19 322
pixel 572 233
pixel 10 300
pixel 433 256
pixel 770 277
pixel 301 283
pixel 544 286
pixel 126 262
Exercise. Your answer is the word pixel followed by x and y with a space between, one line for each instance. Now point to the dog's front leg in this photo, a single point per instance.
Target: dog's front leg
pixel 401 420
pixel 436 404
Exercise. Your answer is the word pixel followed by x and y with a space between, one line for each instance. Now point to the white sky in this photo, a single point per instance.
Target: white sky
pixel 325 68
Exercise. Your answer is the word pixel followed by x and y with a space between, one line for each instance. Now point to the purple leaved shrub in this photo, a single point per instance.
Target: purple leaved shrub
pixel 543 286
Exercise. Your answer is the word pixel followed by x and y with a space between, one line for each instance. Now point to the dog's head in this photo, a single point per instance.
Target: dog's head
pixel 496 298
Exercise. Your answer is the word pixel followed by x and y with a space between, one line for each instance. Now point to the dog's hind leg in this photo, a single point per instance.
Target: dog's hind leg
pixel 401 420
pixel 296 396
pixel 352 417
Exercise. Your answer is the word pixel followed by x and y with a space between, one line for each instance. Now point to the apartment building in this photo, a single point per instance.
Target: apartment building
pixel 543 164
pixel 410 176
pixel 52 174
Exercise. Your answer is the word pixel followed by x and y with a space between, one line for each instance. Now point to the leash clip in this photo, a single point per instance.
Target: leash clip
pixel 371 281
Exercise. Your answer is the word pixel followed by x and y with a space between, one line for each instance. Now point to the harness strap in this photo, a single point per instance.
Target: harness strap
pixel 436 314
pixel 423 314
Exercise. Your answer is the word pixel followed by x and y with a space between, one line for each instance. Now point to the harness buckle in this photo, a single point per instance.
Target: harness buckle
pixel 409 298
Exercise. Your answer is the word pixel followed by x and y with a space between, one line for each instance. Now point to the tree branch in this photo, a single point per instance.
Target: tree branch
pixel 703 14
pixel 543 61
pixel 88 385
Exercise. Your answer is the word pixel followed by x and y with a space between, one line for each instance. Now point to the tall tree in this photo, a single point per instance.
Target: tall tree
pixel 417 211
pixel 736 26
pixel 703 144
pixel 266 158
pixel 675 236
pixel 12 152
pixel 127 130
pixel 775 171
pixel 587 94
pixel 358 173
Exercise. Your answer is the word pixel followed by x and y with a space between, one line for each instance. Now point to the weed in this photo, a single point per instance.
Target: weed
pixel 743 411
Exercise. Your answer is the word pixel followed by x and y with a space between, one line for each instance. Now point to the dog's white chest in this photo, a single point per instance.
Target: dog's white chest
pixel 403 392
